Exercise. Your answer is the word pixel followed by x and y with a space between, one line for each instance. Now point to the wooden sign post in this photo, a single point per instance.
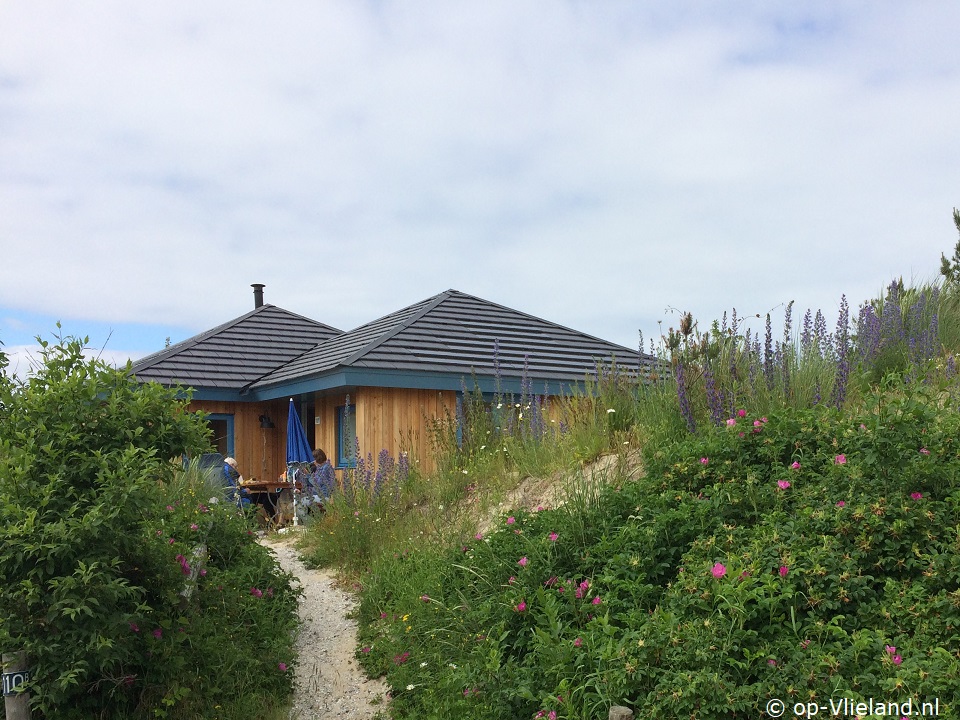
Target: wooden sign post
pixel 15 674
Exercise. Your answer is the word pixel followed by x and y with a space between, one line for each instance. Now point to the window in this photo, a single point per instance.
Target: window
pixel 346 436
pixel 221 426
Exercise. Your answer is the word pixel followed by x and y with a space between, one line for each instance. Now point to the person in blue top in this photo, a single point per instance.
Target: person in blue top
pixel 235 493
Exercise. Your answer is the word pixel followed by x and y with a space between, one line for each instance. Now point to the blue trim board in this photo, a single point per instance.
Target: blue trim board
pixel 356 377
pixel 349 378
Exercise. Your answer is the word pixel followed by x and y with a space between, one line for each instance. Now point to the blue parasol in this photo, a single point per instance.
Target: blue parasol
pixel 298 449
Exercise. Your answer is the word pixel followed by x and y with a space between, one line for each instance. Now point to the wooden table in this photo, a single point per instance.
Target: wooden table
pixel 266 493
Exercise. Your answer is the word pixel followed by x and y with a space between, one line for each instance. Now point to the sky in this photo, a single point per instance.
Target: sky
pixel 603 166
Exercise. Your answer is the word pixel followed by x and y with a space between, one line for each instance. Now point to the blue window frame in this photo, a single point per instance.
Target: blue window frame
pixel 222 426
pixel 346 436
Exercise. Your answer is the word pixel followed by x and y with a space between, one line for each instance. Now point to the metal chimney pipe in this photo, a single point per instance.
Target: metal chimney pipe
pixel 257 294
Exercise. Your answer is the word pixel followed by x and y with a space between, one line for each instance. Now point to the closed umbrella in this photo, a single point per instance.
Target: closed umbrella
pixel 298 449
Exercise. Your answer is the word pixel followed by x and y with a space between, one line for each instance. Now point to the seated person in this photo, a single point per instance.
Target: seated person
pixel 323 478
pixel 318 484
pixel 235 493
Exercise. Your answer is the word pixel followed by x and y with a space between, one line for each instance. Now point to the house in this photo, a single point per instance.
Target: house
pixel 381 383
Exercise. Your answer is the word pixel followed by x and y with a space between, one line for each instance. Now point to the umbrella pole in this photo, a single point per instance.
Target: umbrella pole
pixel 294 492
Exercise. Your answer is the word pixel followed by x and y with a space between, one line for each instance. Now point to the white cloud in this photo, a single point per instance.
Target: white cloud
pixel 589 164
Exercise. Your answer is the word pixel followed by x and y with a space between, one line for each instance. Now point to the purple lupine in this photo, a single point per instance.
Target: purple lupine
pixel 713 398
pixel 461 420
pixel 768 354
pixel 841 354
pixel 525 386
pixel 816 392
pixel 820 338
pixel 640 355
pixel 368 472
pixel 892 330
pixel 951 367
pixel 806 335
pixel 403 470
pixel 868 335
pixel 788 323
pixel 926 334
pixel 785 350
pixel 684 399
pixel 384 470
pixel 497 376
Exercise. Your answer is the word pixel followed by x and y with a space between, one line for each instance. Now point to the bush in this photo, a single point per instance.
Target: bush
pixel 105 584
pixel 808 554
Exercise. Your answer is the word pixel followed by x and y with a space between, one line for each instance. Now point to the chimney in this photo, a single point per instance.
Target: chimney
pixel 257 294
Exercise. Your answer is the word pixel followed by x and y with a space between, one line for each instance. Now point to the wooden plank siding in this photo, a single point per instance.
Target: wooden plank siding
pixel 391 419
pixel 261 453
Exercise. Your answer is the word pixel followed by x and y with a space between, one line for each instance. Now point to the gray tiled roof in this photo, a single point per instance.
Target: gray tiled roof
pixel 237 353
pixel 455 333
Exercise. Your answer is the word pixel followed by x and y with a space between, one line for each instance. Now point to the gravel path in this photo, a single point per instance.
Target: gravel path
pixel 329 683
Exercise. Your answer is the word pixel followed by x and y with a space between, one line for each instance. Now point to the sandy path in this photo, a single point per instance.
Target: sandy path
pixel 329 683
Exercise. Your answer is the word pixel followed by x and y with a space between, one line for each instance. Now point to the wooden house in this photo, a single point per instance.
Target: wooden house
pixel 381 383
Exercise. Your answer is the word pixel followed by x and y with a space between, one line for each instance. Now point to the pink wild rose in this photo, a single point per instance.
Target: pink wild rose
pixel 840 460
pixel 522 562
pixel 784 570
pixel 916 496
pixel 718 570
pixel 795 465
pixel 783 484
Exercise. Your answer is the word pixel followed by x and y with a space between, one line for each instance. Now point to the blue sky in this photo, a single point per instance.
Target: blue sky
pixel 594 164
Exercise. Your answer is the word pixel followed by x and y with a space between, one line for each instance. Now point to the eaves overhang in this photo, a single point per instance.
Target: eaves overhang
pixel 424 380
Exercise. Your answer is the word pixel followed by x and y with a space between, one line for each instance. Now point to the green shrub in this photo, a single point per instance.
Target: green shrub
pixel 727 576
pixel 105 584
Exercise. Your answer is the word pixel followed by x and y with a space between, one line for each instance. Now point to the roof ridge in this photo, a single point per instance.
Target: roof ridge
pixel 430 304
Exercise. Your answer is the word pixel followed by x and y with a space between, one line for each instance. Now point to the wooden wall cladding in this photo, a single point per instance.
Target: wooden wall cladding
pixel 261 453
